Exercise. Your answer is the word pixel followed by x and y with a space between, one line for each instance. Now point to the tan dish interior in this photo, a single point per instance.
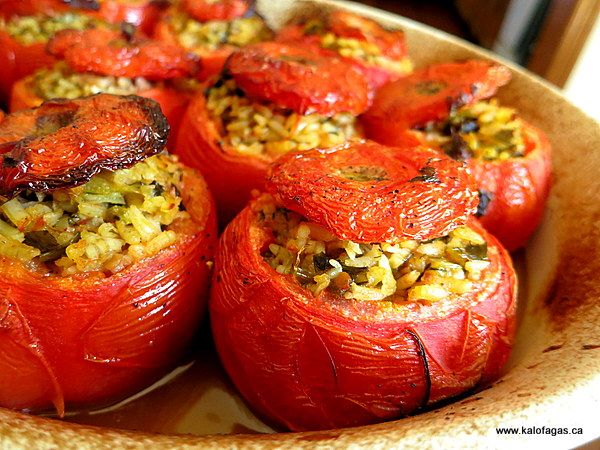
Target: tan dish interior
pixel 552 379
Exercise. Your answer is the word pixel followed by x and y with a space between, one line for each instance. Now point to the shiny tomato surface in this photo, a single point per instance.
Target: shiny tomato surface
pixel 367 192
pixel 90 339
pixel 294 77
pixel 307 363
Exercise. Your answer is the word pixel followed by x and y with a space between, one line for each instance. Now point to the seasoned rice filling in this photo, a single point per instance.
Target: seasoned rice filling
pixel 30 30
pixel 62 82
pixel 408 270
pixel 484 130
pixel 357 49
pixel 105 225
pixel 254 128
pixel 195 35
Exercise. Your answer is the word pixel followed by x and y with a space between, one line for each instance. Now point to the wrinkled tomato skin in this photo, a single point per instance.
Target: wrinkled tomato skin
pixel 212 62
pixel 173 103
pixel 230 176
pixel 18 61
pixel 519 188
pixel 308 363
pixel 90 340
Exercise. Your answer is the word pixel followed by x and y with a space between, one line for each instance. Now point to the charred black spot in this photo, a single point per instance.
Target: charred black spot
pixel 50 123
pixel 430 87
pixel 428 175
pixel 485 198
pixel 128 31
pixel 92 5
pixel 457 148
pixel 423 356
pixel 552 348
pixel 162 4
pixel 9 161
pixel 590 346
pixel 321 261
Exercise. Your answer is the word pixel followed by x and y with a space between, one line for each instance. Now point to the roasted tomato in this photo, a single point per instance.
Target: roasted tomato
pixel 143 14
pixel 212 39
pixel 103 256
pixel 231 134
pixel 381 55
pixel 321 332
pixel 205 10
pixel 443 105
pixel 110 61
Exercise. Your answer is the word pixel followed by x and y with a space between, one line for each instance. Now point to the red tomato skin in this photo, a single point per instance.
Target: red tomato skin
pixel 86 341
pixel 519 188
pixel 173 103
pixel 212 62
pixel 231 177
pixel 308 363
pixel 413 100
pixel 204 11
pixel 18 61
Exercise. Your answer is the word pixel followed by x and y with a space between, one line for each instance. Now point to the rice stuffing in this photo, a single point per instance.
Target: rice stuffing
pixel 259 129
pixel 199 36
pixel 484 130
pixel 105 225
pixel 29 30
pixel 408 270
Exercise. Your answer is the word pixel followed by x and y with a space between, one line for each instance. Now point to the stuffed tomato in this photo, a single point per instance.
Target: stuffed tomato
pixel 114 62
pixel 380 54
pixel 443 105
pixel 23 44
pixel 271 99
pixel 212 30
pixel 143 14
pixel 361 289
pixel 105 245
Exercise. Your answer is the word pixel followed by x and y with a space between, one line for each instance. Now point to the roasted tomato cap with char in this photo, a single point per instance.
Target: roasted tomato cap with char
pixel 308 360
pixel 78 331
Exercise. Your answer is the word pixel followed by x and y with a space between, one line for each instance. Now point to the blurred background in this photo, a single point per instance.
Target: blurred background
pixel 557 39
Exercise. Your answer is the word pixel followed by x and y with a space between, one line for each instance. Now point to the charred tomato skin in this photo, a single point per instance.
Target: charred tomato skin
pixel 429 94
pixel 309 363
pixel 230 176
pixel 90 340
pixel 518 189
pixel 173 102
pixel 84 136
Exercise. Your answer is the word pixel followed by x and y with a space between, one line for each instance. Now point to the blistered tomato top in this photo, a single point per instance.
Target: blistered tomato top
pixel 367 192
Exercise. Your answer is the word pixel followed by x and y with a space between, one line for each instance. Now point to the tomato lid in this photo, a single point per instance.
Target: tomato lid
pixel 63 143
pixel 122 53
pixel 367 192
pixel 205 10
pixel 430 93
pixel 346 24
pixel 298 78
